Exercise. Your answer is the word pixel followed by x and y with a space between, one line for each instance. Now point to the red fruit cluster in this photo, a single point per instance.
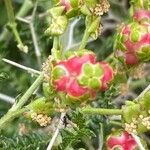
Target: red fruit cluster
pixel 79 76
pixel 133 40
pixel 121 141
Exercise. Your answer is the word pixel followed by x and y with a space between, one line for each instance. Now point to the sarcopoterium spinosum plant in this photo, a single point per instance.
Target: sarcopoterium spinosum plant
pixel 73 80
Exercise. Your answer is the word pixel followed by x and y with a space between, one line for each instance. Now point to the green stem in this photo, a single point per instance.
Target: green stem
pixel 25 8
pixel 84 39
pixel 10 116
pixel 16 34
pixel 10 11
pixel 55 50
pixel 56 42
pixel 13 25
pixel 28 93
pixel 92 24
pixel 116 123
pixel 11 18
pixel 16 109
pixel 101 111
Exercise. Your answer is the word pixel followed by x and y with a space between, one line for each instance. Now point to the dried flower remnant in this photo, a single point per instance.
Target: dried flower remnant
pixel 101 8
pixel 42 119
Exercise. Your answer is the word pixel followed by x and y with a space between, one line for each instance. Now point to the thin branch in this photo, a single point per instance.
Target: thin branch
pixel 7 98
pixel 16 108
pixel 29 70
pixel 56 132
pixel 34 37
pixel 34 11
pixel 143 93
pixel 30 21
pixel 101 137
pixel 35 43
pixel 40 16
pixel 28 93
pixel 23 20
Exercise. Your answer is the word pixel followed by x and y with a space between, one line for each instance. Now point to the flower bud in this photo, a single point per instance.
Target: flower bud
pixel 94 28
pixel 56 11
pixel 85 10
pixel 57 26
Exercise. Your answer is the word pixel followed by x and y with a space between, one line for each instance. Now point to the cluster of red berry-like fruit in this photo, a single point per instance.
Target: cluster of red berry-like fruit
pixel 133 39
pixel 79 76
